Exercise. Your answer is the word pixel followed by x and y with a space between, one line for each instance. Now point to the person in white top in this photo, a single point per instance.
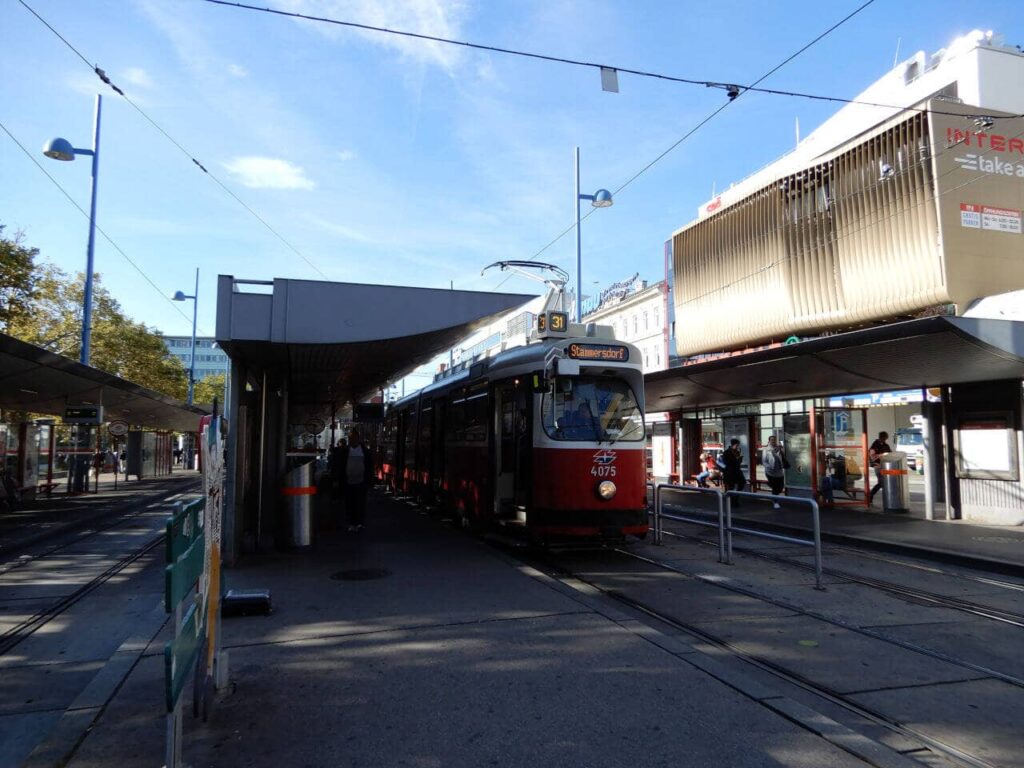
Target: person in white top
pixel 356 467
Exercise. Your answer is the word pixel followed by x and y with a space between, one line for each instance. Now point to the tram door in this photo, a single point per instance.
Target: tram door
pixel 513 449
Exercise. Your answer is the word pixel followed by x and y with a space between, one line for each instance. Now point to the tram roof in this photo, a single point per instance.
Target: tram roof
pixel 929 352
pixel 38 381
pixel 342 341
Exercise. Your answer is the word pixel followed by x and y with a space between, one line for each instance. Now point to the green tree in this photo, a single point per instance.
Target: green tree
pixel 17 277
pixel 119 345
pixel 210 387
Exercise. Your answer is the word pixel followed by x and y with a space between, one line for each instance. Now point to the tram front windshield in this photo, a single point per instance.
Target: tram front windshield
pixel 589 408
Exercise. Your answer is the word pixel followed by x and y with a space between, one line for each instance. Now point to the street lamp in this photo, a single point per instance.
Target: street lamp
pixel 600 199
pixel 180 296
pixel 61 149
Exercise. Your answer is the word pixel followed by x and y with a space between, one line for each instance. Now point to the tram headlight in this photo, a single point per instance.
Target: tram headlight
pixel 606 489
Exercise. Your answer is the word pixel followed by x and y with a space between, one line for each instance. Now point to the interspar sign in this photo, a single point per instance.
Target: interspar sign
pixel 974 216
pixel 1006 156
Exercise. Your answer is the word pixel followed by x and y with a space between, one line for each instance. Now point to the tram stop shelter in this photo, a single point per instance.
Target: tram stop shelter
pixel 975 457
pixel 301 352
pixel 37 381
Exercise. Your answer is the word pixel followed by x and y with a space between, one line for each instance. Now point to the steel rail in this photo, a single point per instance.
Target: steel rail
pixel 922 596
pixel 24 629
pixel 793 678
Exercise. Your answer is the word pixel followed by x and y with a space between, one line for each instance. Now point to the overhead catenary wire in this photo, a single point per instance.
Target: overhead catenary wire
pixel 103 77
pixel 700 124
pixel 99 229
pixel 732 89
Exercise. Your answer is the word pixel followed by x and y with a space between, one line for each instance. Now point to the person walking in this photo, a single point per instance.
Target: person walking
pixel 875 452
pixel 732 473
pixel 355 466
pixel 774 462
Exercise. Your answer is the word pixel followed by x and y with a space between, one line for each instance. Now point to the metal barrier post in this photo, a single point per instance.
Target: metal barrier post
pixel 657 514
pixel 815 512
pixel 727 528
pixel 815 520
pixel 721 527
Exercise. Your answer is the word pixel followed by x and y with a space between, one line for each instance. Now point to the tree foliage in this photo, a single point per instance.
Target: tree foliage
pixel 210 387
pixel 17 277
pixel 52 318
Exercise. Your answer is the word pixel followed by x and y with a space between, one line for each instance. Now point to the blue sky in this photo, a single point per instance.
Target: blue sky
pixel 389 160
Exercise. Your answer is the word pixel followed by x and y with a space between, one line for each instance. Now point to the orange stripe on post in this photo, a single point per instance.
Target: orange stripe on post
pixel 892 472
pixel 306 490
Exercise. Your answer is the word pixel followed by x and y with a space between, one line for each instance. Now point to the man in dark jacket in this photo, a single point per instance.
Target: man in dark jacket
pixel 354 466
pixel 732 474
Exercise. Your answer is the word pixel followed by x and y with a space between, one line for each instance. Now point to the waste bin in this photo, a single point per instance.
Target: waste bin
pixel 895 485
pixel 298 492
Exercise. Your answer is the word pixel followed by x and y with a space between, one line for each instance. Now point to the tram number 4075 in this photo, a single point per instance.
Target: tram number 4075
pixel 603 470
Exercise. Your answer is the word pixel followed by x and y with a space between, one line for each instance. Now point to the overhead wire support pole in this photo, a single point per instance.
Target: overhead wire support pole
pixel 579 249
pixel 90 249
pixel 192 358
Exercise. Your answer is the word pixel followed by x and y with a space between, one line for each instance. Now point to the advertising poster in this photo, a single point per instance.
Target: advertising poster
pixel 738 427
pixel 797 440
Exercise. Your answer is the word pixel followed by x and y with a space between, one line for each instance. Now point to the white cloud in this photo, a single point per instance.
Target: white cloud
pixel 346 154
pixel 237 70
pixel 438 18
pixel 268 173
pixel 138 76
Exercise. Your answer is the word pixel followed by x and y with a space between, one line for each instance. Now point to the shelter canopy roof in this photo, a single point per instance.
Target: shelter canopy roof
pixel 343 341
pixel 36 380
pixel 930 352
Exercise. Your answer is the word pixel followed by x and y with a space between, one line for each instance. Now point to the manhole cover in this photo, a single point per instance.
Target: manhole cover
pixel 361 574
pixel 998 539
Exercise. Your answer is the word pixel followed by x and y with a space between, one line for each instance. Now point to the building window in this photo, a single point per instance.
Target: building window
pixel 647 321
pixel 657 317
pixel 636 324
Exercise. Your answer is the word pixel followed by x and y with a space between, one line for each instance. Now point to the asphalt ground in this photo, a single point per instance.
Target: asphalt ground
pixel 455 655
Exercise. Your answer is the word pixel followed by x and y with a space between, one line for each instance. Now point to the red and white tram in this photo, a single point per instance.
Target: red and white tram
pixel 547 438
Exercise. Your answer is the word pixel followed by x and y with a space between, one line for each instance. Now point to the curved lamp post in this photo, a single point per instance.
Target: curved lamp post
pixel 180 296
pixel 600 199
pixel 61 149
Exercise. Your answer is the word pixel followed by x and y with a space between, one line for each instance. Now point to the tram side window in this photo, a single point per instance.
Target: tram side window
pixel 389 439
pixel 477 416
pixel 455 424
pixel 410 439
pixel 426 420
pixel 467 418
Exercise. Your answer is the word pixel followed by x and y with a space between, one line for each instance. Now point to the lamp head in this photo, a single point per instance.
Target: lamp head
pixel 59 149
pixel 179 296
pixel 602 199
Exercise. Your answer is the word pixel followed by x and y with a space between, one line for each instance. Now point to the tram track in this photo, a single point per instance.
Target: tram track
pixel 937 746
pixel 152 505
pixel 99 524
pixel 29 626
pixel 914 594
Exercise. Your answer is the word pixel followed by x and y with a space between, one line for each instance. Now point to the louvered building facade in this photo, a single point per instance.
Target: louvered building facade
pixel 870 220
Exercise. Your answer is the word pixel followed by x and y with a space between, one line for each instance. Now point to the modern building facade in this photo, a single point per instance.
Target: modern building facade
pixel 210 358
pixel 862 262
pixel 884 213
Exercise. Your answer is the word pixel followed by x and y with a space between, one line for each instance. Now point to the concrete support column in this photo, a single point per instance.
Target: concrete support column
pixel 934 466
pixel 234 510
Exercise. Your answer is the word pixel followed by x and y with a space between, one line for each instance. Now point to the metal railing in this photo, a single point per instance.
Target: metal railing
pixel 725 525
pixel 724 540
